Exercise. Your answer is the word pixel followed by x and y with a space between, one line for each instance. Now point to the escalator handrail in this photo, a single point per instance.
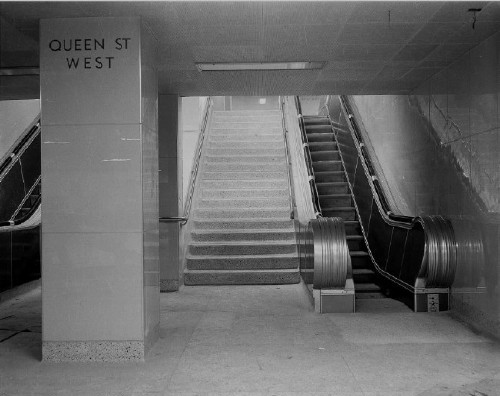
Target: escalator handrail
pixel 27 215
pixel 307 156
pixel 288 159
pixel 13 156
pixel 196 159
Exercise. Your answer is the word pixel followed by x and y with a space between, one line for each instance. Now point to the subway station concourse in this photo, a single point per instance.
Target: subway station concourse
pixel 250 198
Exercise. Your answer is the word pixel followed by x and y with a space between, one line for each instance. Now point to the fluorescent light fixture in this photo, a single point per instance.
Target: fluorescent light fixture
pixel 259 66
pixel 19 71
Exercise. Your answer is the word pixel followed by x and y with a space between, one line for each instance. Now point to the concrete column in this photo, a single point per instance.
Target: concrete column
pixel 100 282
pixel 171 202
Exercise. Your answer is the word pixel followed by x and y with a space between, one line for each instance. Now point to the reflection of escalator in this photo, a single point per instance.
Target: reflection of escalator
pixel 336 201
pixel 20 197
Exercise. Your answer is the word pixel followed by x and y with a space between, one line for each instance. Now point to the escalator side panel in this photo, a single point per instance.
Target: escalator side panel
pixel 26 256
pixel 379 237
pixel 396 251
pixel 5 261
pixel 12 192
pixel 414 248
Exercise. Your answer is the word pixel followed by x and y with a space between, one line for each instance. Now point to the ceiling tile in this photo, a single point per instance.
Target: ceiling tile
pixel 420 74
pixel 377 33
pixel 284 35
pixel 228 53
pixel 405 11
pixel 448 52
pixel 324 35
pixel 364 52
pixel 481 31
pixel 456 11
pixel 285 13
pixel 414 52
pixel 392 72
pixel 329 12
pixel 215 13
pixel 436 33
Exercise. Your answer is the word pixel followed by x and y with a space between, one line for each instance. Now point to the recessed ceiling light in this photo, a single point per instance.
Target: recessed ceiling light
pixel 259 66
pixel 19 71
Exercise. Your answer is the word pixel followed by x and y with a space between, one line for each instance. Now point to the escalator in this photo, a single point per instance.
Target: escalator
pixel 414 258
pixel 335 200
pixel 20 199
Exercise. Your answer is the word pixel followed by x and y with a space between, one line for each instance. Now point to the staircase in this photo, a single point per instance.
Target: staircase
pixel 241 229
pixel 336 201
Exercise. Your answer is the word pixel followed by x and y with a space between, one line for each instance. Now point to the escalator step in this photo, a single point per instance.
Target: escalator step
pixel 360 260
pixel 332 155
pixel 320 137
pixel 346 213
pixel 322 177
pixel 322 146
pixel 355 242
pixel 327 166
pixel 363 275
pixel 315 120
pixel 352 227
pixel 335 200
pixel 333 188
pixel 318 128
pixel 368 290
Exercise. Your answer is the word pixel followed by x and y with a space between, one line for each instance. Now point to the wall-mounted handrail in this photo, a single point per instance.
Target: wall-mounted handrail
pixel 182 220
pixel 307 156
pixel 196 159
pixel 291 191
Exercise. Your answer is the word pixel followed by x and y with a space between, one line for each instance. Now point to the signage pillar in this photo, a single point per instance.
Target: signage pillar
pixel 100 237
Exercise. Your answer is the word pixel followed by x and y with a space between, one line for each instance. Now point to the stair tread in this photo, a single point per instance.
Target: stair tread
pixel 335 195
pixel 362 271
pixel 368 287
pixel 243 243
pixel 242 271
pixel 240 256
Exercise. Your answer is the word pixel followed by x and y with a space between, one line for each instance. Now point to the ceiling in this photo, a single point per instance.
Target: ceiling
pixel 369 47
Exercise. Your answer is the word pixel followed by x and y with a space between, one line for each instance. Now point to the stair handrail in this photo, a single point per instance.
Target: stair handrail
pixel 307 156
pixel 439 261
pixel 291 191
pixel 196 160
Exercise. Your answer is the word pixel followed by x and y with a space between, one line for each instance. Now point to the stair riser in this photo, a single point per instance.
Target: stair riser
pixel 241 214
pixel 261 203
pixel 270 160
pixel 244 184
pixel 325 156
pixel 329 202
pixel 221 194
pixel 243 237
pixel 327 166
pixel 346 215
pixel 242 167
pixel 246 151
pixel 262 125
pixel 221 250
pixel 253 278
pixel 241 263
pixel 247 118
pixel 245 145
pixel 333 189
pixel 247 137
pixel 243 175
pixel 243 225
pixel 222 130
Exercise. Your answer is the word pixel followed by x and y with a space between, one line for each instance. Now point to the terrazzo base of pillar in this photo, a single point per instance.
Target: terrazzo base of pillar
pixel 93 351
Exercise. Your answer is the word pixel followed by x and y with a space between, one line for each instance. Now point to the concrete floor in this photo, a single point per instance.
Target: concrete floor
pixel 263 340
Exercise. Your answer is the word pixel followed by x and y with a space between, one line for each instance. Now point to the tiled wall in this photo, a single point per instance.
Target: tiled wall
pixel 462 105
pixel 438 152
